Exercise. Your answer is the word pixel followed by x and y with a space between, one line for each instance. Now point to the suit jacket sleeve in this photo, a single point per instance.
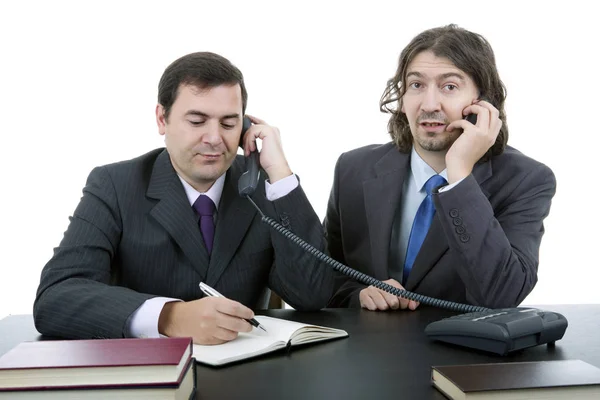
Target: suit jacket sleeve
pixel 299 278
pixel 346 289
pixel 81 269
pixel 499 248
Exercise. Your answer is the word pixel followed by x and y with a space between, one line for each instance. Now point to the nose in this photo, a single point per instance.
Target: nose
pixel 431 100
pixel 212 135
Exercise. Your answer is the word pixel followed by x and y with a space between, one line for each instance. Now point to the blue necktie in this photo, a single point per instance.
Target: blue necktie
pixel 421 224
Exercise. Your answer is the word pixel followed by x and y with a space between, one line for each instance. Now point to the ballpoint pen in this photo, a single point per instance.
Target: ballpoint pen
pixel 207 290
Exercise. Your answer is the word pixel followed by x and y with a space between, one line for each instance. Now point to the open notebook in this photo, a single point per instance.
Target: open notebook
pixel 280 333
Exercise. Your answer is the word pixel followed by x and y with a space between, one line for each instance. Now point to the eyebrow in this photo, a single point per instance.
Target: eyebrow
pixel 439 77
pixel 205 115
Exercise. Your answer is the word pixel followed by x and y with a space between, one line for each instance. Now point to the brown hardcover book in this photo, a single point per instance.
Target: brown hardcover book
pixel 563 379
pixel 95 363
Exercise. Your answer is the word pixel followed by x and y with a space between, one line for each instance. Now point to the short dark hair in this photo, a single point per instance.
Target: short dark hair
pixel 469 52
pixel 204 70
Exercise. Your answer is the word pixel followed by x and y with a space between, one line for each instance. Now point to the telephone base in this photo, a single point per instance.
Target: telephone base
pixel 500 331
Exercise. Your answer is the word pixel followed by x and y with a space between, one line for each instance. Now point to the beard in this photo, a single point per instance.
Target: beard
pixel 437 142
pixel 430 141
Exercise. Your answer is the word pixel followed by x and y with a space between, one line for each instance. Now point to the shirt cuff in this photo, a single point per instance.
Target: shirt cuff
pixel 144 321
pixel 281 188
pixel 448 187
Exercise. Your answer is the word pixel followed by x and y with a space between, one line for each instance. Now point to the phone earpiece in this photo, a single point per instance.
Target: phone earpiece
pixel 249 180
pixel 246 124
pixel 472 118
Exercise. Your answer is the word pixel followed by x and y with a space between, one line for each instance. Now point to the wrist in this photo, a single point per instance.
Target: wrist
pixel 276 173
pixel 165 319
pixel 458 173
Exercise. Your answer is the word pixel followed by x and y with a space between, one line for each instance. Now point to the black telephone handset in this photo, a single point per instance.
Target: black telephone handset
pixel 472 118
pixel 248 182
pixel 498 331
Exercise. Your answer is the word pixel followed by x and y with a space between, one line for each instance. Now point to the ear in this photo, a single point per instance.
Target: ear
pixel 160 119
pixel 402 106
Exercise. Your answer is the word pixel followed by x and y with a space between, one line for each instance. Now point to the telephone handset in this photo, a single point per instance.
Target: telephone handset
pixel 249 180
pixel 494 330
pixel 472 118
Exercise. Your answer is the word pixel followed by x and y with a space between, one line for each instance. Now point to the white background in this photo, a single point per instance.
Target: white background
pixel 78 86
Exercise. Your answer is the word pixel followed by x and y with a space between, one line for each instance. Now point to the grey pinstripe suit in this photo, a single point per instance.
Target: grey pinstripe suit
pixel 134 236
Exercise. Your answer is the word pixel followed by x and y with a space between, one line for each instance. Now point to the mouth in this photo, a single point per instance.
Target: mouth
pixel 433 127
pixel 209 156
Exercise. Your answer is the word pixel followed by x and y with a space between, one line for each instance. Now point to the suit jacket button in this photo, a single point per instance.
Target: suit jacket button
pixel 465 238
pixel 457 221
pixel 454 213
pixel 460 230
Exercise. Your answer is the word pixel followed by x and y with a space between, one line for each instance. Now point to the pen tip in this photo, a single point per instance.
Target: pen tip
pixel 260 326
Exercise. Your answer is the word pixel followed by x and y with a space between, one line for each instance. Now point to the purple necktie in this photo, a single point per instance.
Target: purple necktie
pixel 205 207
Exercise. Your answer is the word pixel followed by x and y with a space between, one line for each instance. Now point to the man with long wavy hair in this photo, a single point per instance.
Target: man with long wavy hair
pixel 446 209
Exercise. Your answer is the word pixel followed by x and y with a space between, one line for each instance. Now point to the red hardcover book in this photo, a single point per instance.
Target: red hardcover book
pixel 183 390
pixel 95 363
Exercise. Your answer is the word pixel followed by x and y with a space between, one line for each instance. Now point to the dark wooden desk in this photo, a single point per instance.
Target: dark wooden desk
pixel 386 356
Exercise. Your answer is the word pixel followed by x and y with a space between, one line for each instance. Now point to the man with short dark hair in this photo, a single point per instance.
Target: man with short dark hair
pixel 446 209
pixel 147 231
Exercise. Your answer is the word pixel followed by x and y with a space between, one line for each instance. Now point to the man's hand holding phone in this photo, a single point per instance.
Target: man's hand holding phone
pixel 475 140
pixel 272 159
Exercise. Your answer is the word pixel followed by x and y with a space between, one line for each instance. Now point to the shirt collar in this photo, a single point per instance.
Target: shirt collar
pixel 214 193
pixel 421 171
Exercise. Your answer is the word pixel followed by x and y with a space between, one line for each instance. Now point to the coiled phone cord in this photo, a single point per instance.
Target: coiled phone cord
pixel 363 278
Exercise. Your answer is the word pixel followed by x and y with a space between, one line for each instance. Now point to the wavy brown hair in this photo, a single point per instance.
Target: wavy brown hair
pixel 469 52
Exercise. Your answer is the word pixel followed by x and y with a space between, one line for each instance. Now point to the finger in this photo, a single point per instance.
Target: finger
pixel 393 282
pixel 256 120
pixel 234 309
pixel 483 115
pixel 224 334
pixel 378 299
pixel 496 125
pixel 250 139
pixel 390 299
pixel 494 113
pixel 412 305
pixel 403 303
pixel 367 302
pixel 208 340
pixel 244 143
pixel 233 324
pixel 460 123
pixel 494 117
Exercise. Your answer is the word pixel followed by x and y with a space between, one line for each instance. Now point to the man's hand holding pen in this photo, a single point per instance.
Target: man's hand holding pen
pixel 207 290
pixel 210 320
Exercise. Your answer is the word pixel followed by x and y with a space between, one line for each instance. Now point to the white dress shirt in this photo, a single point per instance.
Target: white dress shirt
pixel 144 321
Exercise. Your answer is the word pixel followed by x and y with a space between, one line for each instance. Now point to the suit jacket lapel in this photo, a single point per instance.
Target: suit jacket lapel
pixel 175 214
pixel 234 217
pixel 382 196
pixel 435 243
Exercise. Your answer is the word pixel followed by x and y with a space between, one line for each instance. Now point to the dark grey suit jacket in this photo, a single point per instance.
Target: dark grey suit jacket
pixel 135 236
pixel 483 244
